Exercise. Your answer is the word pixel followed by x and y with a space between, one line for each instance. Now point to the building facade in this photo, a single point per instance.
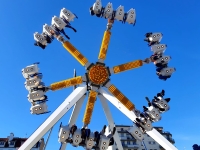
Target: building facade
pixel 130 143
pixel 13 143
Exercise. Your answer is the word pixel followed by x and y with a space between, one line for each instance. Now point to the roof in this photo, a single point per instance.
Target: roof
pixel 17 142
pixel 14 139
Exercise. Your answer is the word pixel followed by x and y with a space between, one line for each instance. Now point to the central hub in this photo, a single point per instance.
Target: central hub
pixel 98 74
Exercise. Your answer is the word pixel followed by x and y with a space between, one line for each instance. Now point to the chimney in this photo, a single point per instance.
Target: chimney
pixel 10 138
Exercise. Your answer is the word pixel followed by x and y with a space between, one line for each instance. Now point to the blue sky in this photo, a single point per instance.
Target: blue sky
pixel 179 23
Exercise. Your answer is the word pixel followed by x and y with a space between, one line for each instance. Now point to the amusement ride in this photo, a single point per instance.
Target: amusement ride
pixel 96 82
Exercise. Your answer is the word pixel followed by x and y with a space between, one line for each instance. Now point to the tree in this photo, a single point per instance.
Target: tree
pixel 196 147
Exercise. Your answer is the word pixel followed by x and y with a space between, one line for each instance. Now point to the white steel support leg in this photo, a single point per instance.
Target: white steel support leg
pixel 54 117
pixel 74 116
pixel 76 110
pixel 110 121
pixel 161 140
pixel 131 115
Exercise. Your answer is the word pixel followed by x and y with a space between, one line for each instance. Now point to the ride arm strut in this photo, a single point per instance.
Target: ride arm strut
pixel 89 107
pixel 126 66
pixel 75 53
pixel 120 96
pixel 105 42
pixel 66 83
pixel 104 46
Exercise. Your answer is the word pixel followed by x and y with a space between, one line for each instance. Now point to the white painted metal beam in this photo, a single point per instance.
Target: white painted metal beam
pixel 131 115
pixel 161 140
pixel 110 121
pixel 74 116
pixel 54 117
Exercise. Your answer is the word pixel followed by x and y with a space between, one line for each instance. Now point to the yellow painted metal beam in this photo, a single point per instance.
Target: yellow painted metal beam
pixel 104 45
pixel 66 83
pixel 121 97
pixel 75 53
pixel 90 106
pixel 127 66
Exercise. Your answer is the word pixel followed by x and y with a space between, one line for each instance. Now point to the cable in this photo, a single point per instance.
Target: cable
pixel 48 138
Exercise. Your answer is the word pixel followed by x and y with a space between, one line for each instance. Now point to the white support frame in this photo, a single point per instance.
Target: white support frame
pixel 54 117
pixel 71 100
pixel 130 114
pixel 110 121
pixel 161 140
pixel 74 117
pixel 76 111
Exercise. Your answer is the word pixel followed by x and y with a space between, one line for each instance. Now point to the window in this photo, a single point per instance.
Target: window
pixel 122 129
pixel 128 142
pixel 12 143
pixel 154 142
pixel 127 135
pixel 123 143
pixel 149 142
pixel 122 134
pixel 1 143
